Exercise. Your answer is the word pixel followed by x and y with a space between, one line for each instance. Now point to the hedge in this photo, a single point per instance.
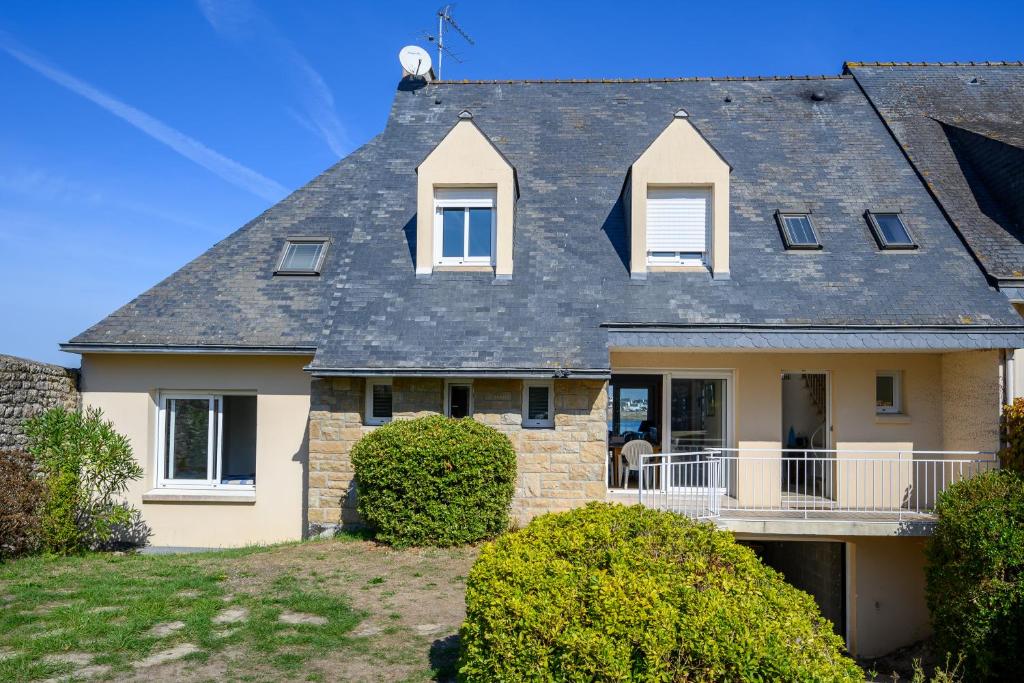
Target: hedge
pixel 975 575
pixel 434 481
pixel 609 592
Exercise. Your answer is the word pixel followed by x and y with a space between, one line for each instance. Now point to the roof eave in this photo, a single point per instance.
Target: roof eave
pixel 189 349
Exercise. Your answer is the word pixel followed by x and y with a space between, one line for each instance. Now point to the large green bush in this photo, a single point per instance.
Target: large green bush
pixel 434 481
pixel 608 592
pixel 21 496
pixel 87 465
pixel 975 575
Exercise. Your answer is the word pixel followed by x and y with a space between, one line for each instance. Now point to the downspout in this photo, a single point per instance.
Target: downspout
pixel 1008 376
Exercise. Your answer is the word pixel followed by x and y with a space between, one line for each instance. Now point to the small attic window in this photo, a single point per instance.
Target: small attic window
pixel 797 231
pixel 302 256
pixel 890 231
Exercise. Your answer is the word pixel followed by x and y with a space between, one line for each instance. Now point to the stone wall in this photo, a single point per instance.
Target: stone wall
pixel 558 468
pixel 28 388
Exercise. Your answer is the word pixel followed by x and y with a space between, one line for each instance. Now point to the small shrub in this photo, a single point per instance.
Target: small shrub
pixel 434 481
pixel 87 465
pixel 21 496
pixel 608 592
pixel 975 575
pixel 1011 456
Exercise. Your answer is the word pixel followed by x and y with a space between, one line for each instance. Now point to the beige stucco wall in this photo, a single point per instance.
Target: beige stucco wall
pixel 888 609
pixel 680 157
pixel 465 158
pixel 558 468
pixel 971 400
pixel 126 387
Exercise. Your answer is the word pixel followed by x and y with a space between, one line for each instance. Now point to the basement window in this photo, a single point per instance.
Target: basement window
pixel 538 405
pixel 890 231
pixel 302 256
pixel 378 401
pixel 887 393
pixel 797 231
pixel 207 441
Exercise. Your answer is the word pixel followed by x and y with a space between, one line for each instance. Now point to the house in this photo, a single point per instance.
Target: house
pixel 755 262
pixel 960 125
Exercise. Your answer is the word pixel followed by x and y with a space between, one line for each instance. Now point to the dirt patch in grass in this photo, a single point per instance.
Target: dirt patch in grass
pixel 340 609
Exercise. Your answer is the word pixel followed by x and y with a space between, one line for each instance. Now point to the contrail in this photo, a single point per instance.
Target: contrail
pixel 242 22
pixel 190 148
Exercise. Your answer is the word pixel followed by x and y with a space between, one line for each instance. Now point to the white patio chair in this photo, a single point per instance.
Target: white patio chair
pixel 631 453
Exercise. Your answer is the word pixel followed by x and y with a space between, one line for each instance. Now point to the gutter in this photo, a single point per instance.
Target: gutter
pixel 495 373
pixel 203 349
pixel 853 329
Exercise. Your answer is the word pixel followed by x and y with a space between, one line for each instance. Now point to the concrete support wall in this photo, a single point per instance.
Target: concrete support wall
pixel 558 468
pixel 28 388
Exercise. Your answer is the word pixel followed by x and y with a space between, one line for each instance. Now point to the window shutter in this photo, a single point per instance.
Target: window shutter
pixel 382 400
pixel 677 219
pixel 537 403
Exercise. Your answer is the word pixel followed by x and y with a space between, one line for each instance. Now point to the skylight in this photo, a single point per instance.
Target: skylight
pixel 890 231
pixel 302 257
pixel 798 231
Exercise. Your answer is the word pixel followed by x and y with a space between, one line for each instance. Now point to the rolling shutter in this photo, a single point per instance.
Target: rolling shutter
pixel 677 219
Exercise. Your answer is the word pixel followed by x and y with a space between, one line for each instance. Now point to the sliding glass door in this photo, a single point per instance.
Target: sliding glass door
pixel 698 408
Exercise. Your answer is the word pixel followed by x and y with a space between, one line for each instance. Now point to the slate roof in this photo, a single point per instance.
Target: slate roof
pixel 572 144
pixel 961 125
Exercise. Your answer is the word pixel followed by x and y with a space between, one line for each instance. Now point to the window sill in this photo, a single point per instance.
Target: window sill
pixel 663 268
pixel 247 497
pixel 892 418
pixel 469 267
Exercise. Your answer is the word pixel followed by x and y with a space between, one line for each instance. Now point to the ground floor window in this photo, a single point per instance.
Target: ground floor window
pixel 458 399
pixel 207 440
pixel 538 405
pixel 378 401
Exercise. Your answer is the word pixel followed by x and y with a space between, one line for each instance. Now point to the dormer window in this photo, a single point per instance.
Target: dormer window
pixel 302 256
pixel 677 225
pixel 890 231
pixel 797 231
pixel 464 227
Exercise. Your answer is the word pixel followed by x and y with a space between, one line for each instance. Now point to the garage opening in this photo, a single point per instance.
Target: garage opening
pixel 815 567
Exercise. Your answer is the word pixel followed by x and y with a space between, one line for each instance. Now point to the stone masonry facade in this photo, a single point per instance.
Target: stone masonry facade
pixel 28 388
pixel 558 468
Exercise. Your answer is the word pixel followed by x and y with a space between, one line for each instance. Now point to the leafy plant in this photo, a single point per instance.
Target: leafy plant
pixel 1011 456
pixel 87 465
pixel 608 592
pixel 434 481
pixel 975 574
pixel 21 496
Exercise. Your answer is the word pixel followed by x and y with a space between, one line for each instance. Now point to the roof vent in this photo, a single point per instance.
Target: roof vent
pixel 681 114
pixel 973 81
pixel 818 95
pixel 466 115
pixel 728 98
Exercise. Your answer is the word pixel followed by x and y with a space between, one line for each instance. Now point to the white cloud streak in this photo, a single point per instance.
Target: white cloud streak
pixel 190 148
pixel 244 24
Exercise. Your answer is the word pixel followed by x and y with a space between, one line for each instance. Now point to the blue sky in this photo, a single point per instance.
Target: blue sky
pixel 135 135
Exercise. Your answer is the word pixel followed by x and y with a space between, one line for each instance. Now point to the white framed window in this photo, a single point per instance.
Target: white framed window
pixel 302 256
pixel 678 225
pixel 206 441
pixel 378 401
pixel 887 392
pixel 458 398
pixel 465 227
pixel 538 405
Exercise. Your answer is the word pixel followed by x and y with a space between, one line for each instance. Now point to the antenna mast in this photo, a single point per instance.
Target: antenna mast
pixel 446 20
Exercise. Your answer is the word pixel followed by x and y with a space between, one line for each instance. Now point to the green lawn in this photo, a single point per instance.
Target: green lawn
pixel 344 609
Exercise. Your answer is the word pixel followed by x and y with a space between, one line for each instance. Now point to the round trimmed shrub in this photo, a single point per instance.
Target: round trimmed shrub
pixel 609 592
pixel 975 575
pixel 434 481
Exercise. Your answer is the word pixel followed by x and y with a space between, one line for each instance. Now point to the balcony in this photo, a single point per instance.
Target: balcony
pixel 782 490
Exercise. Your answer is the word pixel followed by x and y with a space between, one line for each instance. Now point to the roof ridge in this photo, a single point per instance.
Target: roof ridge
pixel 546 81
pixel 848 65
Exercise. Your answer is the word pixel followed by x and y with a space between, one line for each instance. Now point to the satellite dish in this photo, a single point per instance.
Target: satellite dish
pixel 415 60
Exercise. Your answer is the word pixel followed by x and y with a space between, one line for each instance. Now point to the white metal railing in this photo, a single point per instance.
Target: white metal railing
pixel 804 483
pixel 682 482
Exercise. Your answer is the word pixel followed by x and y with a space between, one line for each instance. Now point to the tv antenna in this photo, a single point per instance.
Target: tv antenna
pixel 446 21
